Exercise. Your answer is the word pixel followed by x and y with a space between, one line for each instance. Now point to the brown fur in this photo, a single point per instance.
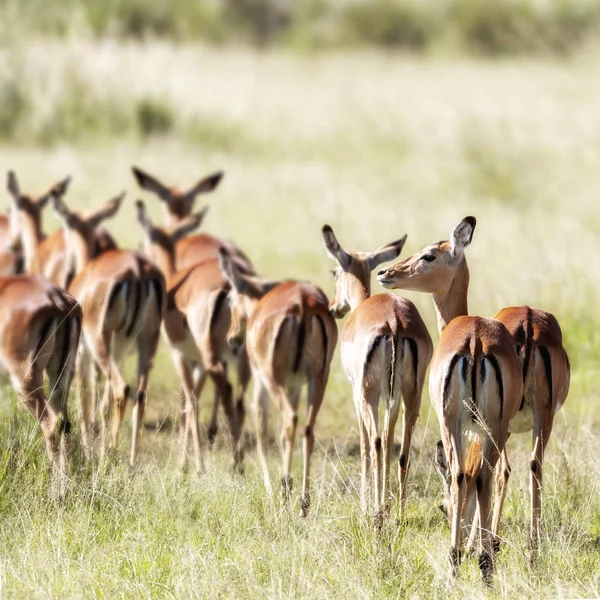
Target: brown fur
pixel 122 296
pixel 195 325
pixel 290 338
pixel 475 381
pixel 39 332
pixel 385 352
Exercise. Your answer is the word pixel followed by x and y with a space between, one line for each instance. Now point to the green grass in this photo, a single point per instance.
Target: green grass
pixel 376 146
pixel 505 27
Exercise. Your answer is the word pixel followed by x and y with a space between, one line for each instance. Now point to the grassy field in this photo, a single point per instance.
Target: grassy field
pixel 377 146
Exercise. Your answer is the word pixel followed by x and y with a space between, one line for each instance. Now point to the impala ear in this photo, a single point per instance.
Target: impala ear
pixel 60 209
pixel 206 184
pixel 334 249
pixel 462 235
pixel 12 185
pixel 147 182
pixel 188 225
pixel 386 253
pixel 143 217
pixel 108 210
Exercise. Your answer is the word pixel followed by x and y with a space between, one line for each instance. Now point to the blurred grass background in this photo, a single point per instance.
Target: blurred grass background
pixel 380 118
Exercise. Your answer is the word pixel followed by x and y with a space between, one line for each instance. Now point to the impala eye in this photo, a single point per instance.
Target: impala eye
pixel 428 258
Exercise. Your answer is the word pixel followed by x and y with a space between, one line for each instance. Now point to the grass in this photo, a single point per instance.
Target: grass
pixel 505 27
pixel 376 146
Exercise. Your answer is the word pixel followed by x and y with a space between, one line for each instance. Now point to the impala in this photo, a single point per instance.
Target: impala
pixel 11 256
pixel 122 297
pixel 290 338
pixel 385 351
pixel 39 331
pixel 475 383
pixel 178 205
pixel 46 255
pixel 537 338
pixel 195 325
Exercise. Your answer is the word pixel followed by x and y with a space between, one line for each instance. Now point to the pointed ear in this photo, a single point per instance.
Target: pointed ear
pixel 12 185
pixel 60 210
pixel 386 253
pixel 143 217
pixel 232 273
pixel 58 189
pixel 334 249
pixel 207 184
pixel 110 209
pixel 188 225
pixel 462 235
pixel 147 182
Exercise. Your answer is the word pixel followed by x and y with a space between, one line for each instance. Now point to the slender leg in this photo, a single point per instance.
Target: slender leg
pixel 389 426
pixel 365 458
pixel 261 406
pixel 83 400
pixel 484 481
pixel 542 428
pixel 502 476
pixel 368 408
pixel 184 370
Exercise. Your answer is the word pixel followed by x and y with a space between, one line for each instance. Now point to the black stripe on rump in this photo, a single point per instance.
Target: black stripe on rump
pixel 41 342
pixel 498 371
pixel 548 370
pixel 219 300
pixel 325 341
pixel 414 349
pixel 300 325
pixel 137 286
pixel 455 358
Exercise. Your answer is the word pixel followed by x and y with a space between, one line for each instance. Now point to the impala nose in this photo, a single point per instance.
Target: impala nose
pixel 382 274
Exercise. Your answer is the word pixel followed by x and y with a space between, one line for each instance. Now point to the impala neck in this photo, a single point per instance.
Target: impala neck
pixel 165 259
pixel 31 237
pixel 453 303
pixel 359 293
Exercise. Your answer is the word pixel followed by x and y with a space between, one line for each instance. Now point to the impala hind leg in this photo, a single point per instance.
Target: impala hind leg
pixel 218 373
pixel 365 459
pixel 60 369
pixel 369 399
pixel 389 426
pixel 261 416
pixel 243 379
pixel 289 403
pixel 30 387
pixel 146 351
pixel 502 476
pixel 542 427
pixel 484 482
pixel 184 370
pixel 458 488
pixel 316 392
pixel 84 393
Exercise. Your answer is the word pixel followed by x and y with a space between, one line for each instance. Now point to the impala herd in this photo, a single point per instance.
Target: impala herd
pixel 73 304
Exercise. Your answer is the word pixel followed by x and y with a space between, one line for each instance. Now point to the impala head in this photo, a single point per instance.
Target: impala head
pixel 79 229
pixel 160 242
pixel 246 291
pixel 25 211
pixel 434 268
pixel 353 271
pixel 178 202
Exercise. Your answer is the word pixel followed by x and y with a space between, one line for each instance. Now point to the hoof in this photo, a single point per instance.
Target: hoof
pixel 212 434
pixel 304 505
pixel 286 487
